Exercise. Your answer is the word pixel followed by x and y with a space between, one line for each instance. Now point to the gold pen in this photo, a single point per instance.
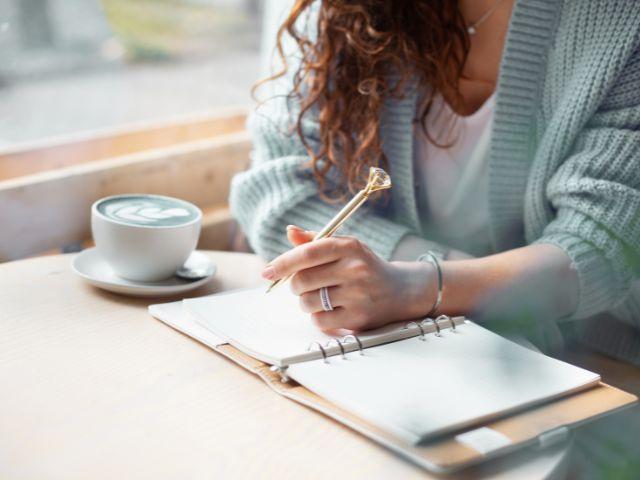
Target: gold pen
pixel 378 180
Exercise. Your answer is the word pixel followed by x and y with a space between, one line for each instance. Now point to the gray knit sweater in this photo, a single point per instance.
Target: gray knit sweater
pixel 564 164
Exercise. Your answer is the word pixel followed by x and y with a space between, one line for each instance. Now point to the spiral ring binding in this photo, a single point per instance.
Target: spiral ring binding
pixel 339 345
pixel 282 371
pixel 435 323
pixel 345 340
pixel 355 337
pixel 422 337
pixel 451 322
pixel 324 353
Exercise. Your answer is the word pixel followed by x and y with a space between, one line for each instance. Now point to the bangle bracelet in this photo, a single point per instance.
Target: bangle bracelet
pixel 433 259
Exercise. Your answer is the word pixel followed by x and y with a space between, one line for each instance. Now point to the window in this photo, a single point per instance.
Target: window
pixel 75 65
pixel 100 97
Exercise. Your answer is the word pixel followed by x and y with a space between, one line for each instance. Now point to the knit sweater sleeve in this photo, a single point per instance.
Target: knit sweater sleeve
pixel 279 189
pixel 596 197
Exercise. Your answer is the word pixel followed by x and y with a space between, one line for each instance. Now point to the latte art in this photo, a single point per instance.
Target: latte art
pixel 149 211
pixel 143 212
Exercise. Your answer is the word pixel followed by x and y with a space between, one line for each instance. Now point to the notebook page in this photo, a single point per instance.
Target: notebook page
pixel 269 327
pixel 272 327
pixel 174 315
pixel 417 389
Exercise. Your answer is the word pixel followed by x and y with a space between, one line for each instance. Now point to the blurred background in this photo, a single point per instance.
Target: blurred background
pixel 75 65
pixel 101 97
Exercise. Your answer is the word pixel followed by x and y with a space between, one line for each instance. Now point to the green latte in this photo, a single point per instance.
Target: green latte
pixel 149 211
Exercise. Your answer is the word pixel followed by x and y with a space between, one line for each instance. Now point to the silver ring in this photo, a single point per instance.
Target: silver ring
pixel 355 337
pixel 326 301
pixel 422 337
pixel 328 344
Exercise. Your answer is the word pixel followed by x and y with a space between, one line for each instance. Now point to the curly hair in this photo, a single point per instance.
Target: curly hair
pixel 365 52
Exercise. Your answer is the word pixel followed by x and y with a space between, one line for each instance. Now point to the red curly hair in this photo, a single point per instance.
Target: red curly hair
pixel 344 73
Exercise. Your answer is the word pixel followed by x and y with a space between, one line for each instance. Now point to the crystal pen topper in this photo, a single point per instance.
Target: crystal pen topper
pixel 378 180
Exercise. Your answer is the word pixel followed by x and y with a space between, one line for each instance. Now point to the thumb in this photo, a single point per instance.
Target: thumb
pixel 298 236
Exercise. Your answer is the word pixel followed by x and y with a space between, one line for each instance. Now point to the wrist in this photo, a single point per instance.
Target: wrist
pixel 418 288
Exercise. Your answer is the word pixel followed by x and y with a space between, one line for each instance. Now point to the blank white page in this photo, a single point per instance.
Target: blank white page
pixel 269 327
pixel 174 315
pixel 417 389
pixel 272 327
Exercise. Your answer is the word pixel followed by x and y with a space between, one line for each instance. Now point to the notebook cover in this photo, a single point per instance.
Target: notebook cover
pixel 447 454
pixel 537 425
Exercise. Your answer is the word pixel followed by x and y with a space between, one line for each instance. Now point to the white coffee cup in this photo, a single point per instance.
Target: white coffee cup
pixel 145 237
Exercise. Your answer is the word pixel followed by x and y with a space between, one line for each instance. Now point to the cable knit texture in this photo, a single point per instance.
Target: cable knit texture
pixel 564 163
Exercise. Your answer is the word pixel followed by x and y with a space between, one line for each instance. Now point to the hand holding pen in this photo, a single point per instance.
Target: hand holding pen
pixel 378 180
pixel 345 286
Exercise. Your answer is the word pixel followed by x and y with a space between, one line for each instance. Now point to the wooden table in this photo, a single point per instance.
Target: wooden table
pixel 93 387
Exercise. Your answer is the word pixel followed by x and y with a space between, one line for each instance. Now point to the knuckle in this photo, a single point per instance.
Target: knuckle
pixel 305 304
pixel 309 254
pixel 333 245
pixel 282 264
pixel 365 268
pixel 359 321
pixel 298 283
pixel 276 265
pixel 358 295
pixel 318 320
pixel 351 243
pixel 360 268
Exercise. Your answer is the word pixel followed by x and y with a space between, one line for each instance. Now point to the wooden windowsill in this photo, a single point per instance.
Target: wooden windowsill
pixel 55 153
pixel 47 208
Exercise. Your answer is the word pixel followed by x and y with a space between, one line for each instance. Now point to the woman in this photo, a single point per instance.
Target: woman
pixel 510 129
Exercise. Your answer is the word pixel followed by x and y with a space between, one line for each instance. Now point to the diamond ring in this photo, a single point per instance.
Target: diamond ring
pixel 324 298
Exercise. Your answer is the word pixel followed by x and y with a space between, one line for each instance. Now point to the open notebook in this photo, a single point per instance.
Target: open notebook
pixel 405 385
pixel 272 328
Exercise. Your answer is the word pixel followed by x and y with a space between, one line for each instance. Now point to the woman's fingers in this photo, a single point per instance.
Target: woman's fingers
pixel 298 236
pixel 338 319
pixel 308 255
pixel 310 279
pixel 311 302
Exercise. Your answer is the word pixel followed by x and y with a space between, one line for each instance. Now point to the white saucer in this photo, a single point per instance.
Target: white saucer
pixel 89 265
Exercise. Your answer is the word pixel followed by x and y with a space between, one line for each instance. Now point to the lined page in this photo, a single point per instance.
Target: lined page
pixel 417 389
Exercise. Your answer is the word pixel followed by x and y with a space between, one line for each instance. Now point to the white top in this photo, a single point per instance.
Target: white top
pixel 452 182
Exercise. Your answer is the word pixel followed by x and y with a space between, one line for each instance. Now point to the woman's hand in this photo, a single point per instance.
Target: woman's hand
pixel 365 290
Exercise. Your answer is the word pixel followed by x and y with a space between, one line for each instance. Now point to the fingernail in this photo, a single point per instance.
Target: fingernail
pixel 295 227
pixel 269 273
